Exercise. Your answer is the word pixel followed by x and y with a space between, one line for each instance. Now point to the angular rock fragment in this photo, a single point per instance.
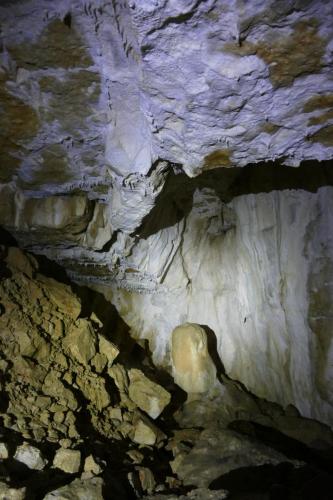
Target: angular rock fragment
pixel 20 261
pixel 67 460
pixel 93 388
pixel 86 489
pixel 135 456
pixel 8 493
pixel 30 456
pixel 54 387
pixel 90 465
pixel 4 453
pixel 119 374
pixel 107 348
pixel 149 396
pixel 80 341
pixel 99 362
pixel 145 432
pixel 146 478
pixel 61 296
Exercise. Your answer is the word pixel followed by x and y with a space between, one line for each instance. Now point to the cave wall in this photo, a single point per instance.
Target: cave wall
pixel 258 272
pixel 126 134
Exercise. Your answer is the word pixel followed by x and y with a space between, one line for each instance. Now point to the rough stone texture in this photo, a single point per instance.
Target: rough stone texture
pixel 219 452
pixel 67 460
pixel 7 493
pixel 197 494
pixel 109 350
pixel 146 394
pixel 88 489
pixel 30 456
pixel 90 465
pixel 192 366
pixel 47 354
pixel 103 104
pixel 238 100
pixel 4 453
pixel 145 432
pixel 80 341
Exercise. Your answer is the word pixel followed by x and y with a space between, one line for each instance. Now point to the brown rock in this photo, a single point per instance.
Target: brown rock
pixel 80 341
pixel 107 348
pixel 149 396
pixel 145 432
pixel 67 460
pixel 193 368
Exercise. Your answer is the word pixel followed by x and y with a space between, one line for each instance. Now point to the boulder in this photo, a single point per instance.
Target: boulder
pixel 218 452
pixel 90 465
pixel 149 396
pixel 30 456
pixel 79 489
pixel 3 451
pixel 192 367
pixel 7 493
pixel 145 432
pixel 67 460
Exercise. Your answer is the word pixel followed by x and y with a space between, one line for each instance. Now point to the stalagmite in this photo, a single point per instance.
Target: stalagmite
pixel 192 366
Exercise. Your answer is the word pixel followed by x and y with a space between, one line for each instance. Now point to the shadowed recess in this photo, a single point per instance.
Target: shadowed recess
pixel 176 199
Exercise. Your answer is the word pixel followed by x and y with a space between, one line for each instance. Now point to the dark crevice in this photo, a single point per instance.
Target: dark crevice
pixel 51 269
pixel 176 199
pixel 275 482
pixel 68 20
pixel 290 447
pixel 7 239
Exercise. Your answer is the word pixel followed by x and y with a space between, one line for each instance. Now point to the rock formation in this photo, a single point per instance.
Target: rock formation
pixel 176 158
pixel 75 420
pixel 192 367
pixel 149 148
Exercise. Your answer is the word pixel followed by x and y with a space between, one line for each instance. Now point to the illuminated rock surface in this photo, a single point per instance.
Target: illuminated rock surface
pixel 175 157
pixel 62 418
pixel 192 367
pixel 107 105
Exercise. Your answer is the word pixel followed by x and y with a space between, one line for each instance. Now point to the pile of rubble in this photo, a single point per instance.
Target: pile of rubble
pixel 77 418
